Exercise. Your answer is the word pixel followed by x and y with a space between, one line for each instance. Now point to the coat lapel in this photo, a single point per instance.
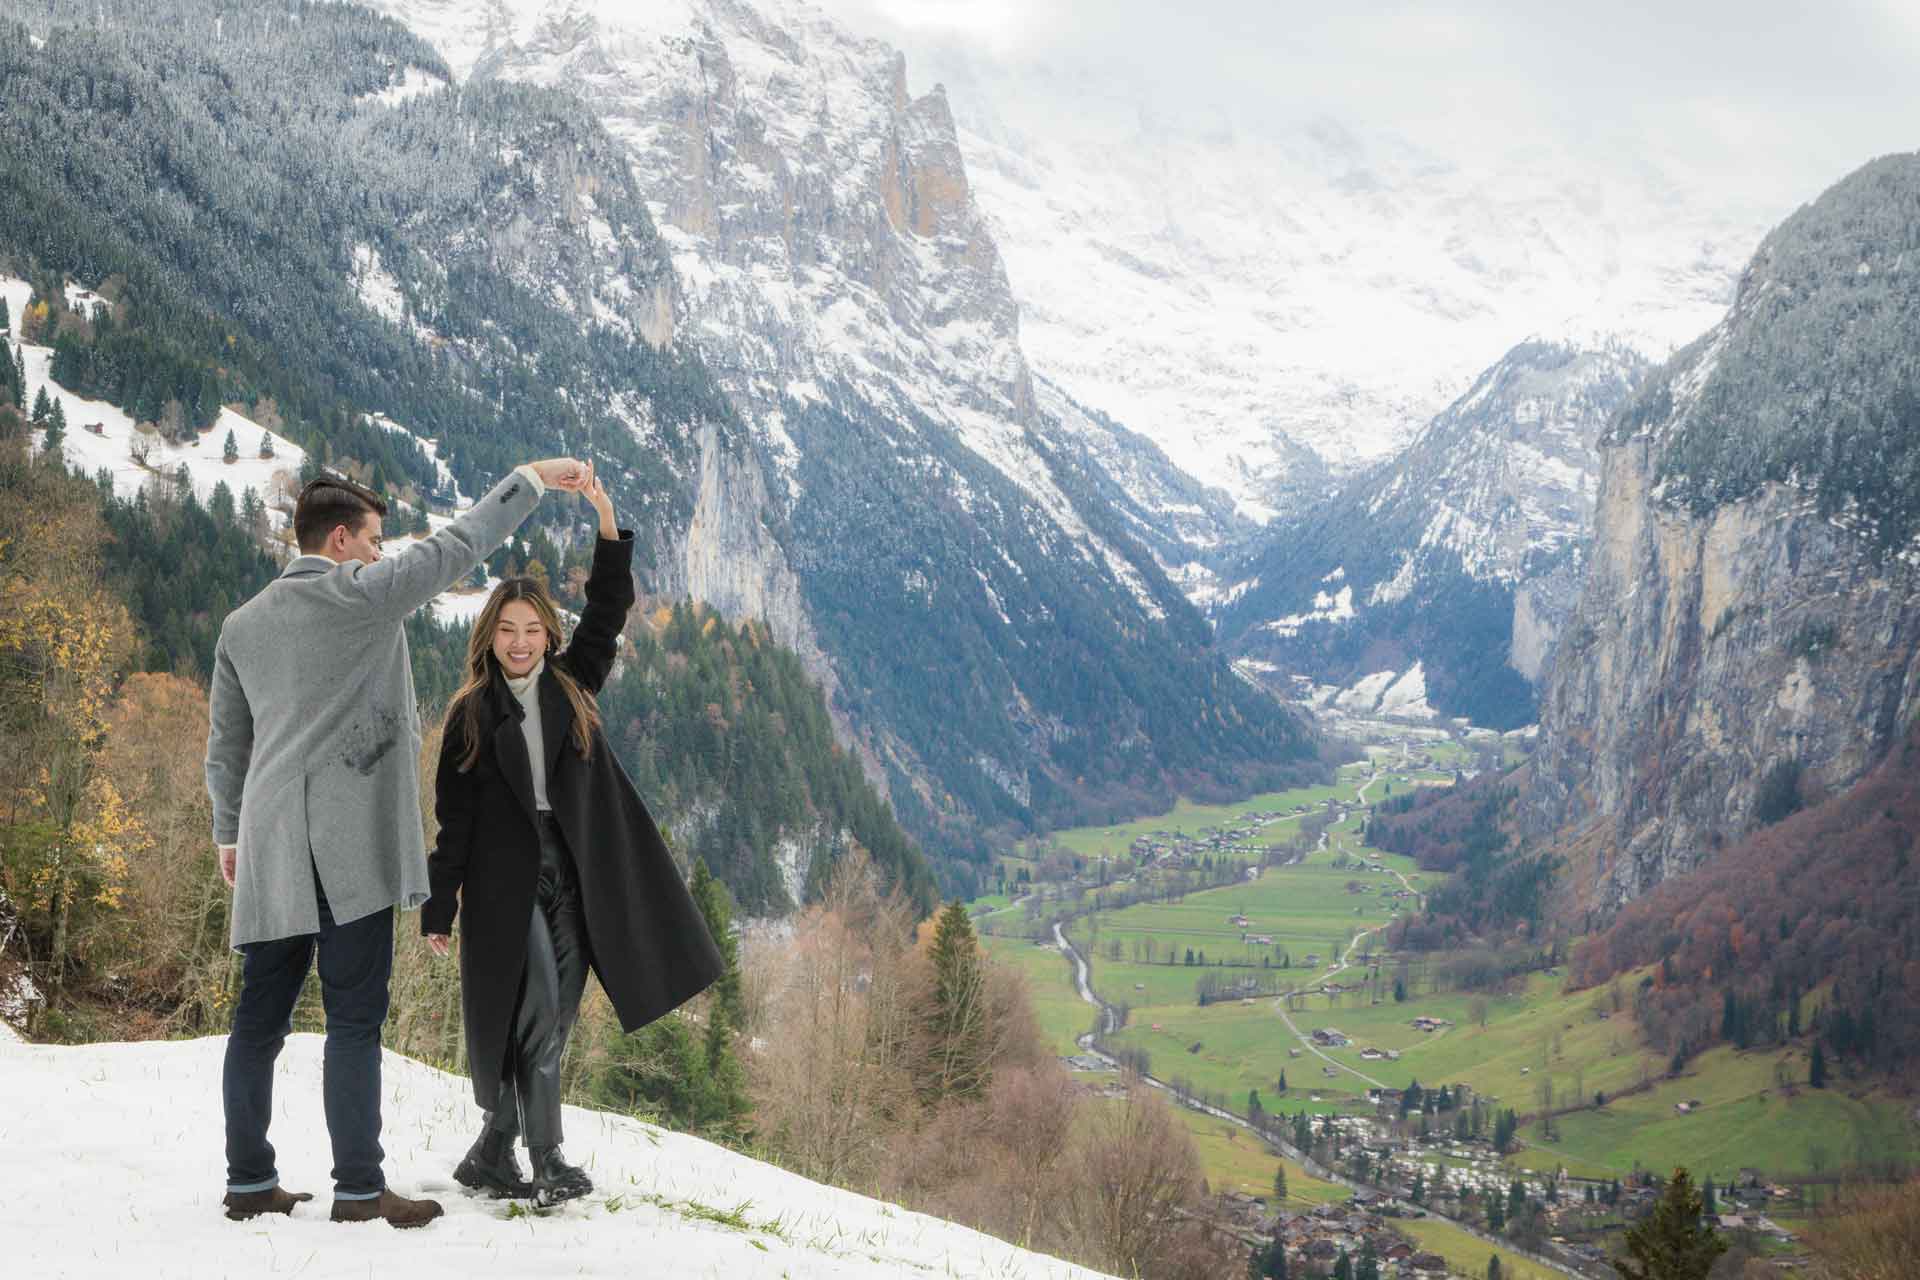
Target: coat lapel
pixel 510 746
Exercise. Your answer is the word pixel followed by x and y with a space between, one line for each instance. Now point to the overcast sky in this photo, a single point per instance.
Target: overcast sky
pixel 1782 97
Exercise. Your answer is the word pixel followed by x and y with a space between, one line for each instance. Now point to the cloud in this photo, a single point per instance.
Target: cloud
pixel 1781 97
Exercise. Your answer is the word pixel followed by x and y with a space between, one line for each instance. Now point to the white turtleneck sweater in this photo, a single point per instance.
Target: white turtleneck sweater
pixel 527 689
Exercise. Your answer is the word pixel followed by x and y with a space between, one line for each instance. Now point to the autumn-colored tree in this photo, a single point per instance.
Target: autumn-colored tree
pixel 63 645
pixel 834 1079
pixel 1874 1235
pixel 1138 1175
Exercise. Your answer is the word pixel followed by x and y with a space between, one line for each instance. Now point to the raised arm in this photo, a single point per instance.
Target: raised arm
pixel 229 752
pixel 596 641
pixel 397 585
pixel 453 804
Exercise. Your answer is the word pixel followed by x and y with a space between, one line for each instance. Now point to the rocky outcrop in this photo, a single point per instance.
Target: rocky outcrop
pixel 1748 637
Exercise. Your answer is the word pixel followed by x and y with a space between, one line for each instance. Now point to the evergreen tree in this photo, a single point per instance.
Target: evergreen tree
pixel 1494 1270
pixel 230 451
pixel 1343 1269
pixel 727 1105
pixel 42 407
pixel 220 505
pixel 1369 1267
pixel 6 320
pixel 957 1019
pixel 1672 1243
pixel 1709 1203
pixel 1269 1263
pixel 1283 1082
pixel 266 444
pixel 56 426
pixel 1279 1182
pixel 19 376
pixel 1817 1068
pixel 1496 1214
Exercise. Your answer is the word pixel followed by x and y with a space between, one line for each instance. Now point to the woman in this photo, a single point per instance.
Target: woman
pixel 553 863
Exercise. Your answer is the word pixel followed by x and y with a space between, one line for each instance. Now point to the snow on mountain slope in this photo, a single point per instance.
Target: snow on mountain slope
pixel 1238 288
pixel 1462 552
pixel 111 449
pixel 111 1165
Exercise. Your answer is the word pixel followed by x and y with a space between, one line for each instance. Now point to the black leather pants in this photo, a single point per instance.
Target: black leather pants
pixel 549 999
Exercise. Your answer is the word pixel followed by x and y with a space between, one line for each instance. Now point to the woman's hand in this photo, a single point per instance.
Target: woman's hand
pixel 439 943
pixel 602 504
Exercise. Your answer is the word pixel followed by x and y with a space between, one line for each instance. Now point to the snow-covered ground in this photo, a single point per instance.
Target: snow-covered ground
pixel 111 1165
pixel 112 447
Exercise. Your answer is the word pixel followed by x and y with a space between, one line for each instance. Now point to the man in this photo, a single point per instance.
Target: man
pixel 312 764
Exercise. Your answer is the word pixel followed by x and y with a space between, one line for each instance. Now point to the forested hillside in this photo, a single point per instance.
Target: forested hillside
pixel 1809 924
pixel 343 266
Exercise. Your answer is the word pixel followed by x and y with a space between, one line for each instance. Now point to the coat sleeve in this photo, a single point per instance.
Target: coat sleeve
pixel 396 585
pixel 453 804
pixel 596 641
pixel 229 745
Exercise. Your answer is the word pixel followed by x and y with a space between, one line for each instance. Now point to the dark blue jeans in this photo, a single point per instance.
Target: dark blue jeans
pixel 356 961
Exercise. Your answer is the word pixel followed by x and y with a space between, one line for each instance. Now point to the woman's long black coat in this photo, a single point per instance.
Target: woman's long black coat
pixel 649 944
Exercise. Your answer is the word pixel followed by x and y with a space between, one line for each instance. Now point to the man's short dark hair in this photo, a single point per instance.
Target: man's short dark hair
pixel 329 501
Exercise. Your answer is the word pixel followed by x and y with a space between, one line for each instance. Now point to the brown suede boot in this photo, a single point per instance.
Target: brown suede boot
pixel 396 1211
pixel 242 1205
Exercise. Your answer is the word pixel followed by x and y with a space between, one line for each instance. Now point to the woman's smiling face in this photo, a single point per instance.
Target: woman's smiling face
pixel 520 638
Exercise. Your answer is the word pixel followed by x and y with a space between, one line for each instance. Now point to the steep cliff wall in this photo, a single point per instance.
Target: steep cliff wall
pixel 1748 636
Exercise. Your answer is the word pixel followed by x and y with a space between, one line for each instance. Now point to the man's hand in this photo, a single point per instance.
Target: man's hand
pixel 438 941
pixel 229 862
pixel 562 473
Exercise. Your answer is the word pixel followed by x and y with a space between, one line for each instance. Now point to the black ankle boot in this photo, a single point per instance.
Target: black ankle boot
pixel 490 1166
pixel 555 1180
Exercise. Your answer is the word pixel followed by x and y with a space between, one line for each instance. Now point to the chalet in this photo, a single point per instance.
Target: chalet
pixel 1294 1053
pixel 1371 1054
pixel 1328 1037
pixel 1427 1266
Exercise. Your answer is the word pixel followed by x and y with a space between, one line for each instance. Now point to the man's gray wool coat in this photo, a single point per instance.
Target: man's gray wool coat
pixel 313 759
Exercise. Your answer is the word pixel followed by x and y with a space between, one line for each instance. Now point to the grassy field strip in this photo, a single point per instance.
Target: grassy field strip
pixel 1235 1160
pixel 1467 1254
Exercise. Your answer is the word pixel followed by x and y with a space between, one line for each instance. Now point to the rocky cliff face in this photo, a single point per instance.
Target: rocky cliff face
pixel 961 565
pixel 1462 553
pixel 1748 635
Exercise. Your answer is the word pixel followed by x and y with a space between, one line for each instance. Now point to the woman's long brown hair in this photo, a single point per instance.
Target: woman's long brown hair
pixel 481 664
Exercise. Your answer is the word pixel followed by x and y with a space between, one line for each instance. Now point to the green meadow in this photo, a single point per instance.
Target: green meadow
pixel 1467 1255
pixel 1745 1119
pixel 1518 1047
pixel 1234 1160
pixel 1191 819
pixel 1057 1007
